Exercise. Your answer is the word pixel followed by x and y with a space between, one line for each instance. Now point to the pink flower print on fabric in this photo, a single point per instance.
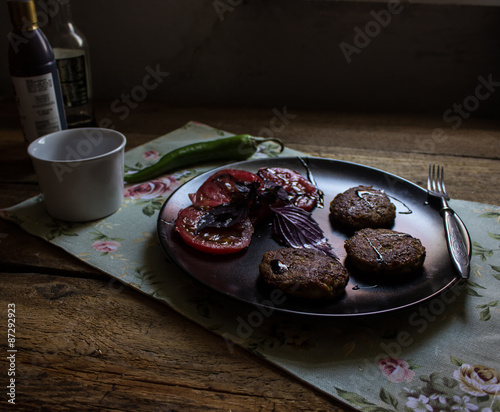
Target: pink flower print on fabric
pixel 396 370
pixel 151 189
pixel 150 155
pixel 106 246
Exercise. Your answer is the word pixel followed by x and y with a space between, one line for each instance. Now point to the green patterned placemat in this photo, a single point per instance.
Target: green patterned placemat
pixel 441 356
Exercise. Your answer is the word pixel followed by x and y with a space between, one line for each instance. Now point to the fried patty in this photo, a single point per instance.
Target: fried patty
pixel 363 206
pixel 385 252
pixel 304 273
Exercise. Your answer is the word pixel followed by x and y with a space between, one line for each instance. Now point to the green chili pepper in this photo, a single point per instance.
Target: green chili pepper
pixel 238 147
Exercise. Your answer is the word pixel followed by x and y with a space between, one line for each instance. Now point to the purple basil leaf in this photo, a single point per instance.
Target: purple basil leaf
pixel 223 216
pixel 271 192
pixel 297 228
pixel 245 190
pixel 229 214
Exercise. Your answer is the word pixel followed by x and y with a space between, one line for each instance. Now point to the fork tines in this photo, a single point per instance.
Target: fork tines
pixel 435 181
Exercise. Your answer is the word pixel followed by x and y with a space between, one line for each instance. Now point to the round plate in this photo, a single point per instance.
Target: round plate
pixel 237 275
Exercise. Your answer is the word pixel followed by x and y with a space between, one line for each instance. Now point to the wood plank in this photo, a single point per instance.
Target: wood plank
pixel 405 133
pixel 473 137
pixel 85 345
pixel 13 193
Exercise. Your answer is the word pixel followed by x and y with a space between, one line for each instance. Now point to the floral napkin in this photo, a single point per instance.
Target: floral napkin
pixel 441 356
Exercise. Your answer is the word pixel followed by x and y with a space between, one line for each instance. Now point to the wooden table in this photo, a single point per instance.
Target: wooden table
pixel 126 351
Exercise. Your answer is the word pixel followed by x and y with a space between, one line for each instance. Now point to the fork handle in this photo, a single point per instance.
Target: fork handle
pixel 457 245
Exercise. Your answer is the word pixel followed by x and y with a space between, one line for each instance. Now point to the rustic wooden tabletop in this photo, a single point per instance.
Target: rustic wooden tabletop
pixel 126 351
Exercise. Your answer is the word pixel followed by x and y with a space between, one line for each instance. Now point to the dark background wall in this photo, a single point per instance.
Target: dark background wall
pixel 427 57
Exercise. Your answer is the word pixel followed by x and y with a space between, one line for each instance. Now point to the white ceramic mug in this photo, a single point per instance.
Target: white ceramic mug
pixel 80 172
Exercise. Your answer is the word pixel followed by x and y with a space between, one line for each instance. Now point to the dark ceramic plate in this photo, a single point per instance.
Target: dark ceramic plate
pixel 237 275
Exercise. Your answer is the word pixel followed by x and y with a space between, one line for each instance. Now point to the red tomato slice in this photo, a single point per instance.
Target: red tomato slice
pixel 220 188
pixel 217 241
pixel 302 193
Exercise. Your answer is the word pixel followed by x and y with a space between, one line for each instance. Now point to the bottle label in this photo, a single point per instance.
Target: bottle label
pixel 37 105
pixel 73 80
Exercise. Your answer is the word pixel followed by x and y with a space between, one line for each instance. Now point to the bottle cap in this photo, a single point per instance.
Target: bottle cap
pixel 23 14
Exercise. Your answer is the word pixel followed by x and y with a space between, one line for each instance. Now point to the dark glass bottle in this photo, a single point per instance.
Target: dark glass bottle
pixel 73 60
pixel 34 74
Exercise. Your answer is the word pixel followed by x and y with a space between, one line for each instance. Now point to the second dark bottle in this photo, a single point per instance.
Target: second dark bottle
pixel 73 60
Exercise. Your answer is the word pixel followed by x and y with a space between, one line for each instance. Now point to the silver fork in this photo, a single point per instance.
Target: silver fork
pixel 457 236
